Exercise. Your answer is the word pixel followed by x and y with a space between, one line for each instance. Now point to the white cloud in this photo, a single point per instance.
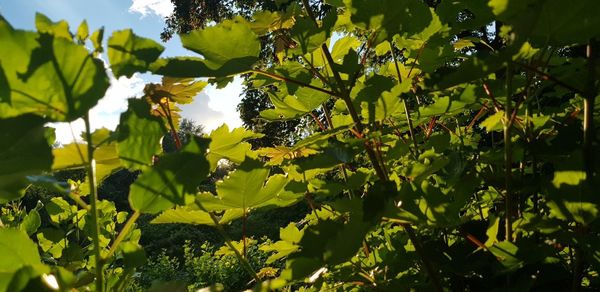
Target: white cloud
pixel 162 8
pixel 214 107
pixel 202 114
pixel 211 108
pixel 108 110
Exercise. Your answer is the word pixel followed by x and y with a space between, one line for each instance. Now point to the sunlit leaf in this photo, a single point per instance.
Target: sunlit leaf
pixel 287 107
pixel 193 216
pixel 18 249
pixel 31 222
pixel 75 156
pixel 82 31
pixel 58 29
pixel 230 145
pixel 49 75
pixel 268 21
pixel 228 48
pixel 246 187
pixel 129 53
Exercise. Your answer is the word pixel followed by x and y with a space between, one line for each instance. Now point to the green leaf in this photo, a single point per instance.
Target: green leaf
pixel 53 241
pixel 280 153
pixel 389 17
pixel 308 35
pixel 58 29
pixel 139 135
pixel 506 253
pixel 4 87
pixel 493 122
pixel 291 70
pixel 471 69
pixel 174 176
pixel 179 90
pixel 184 215
pixel 450 12
pixel 48 75
pixel 492 231
pixel 129 53
pixel 387 105
pixel 281 248
pixel 193 215
pixel 571 199
pixel 244 188
pixel 17 251
pixel 82 32
pixel 24 151
pixel 75 155
pixel 428 163
pixel 268 21
pixel 96 39
pixel 568 177
pixel 451 105
pixel 370 90
pixel 291 233
pixel 60 210
pixel 333 241
pixel 342 46
pixel 547 22
pixel 288 107
pixel 31 222
pixel 230 145
pixel 133 254
pixel 228 48
pixel 334 154
pixel 121 217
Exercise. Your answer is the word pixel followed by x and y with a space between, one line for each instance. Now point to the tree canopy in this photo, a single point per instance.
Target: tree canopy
pixel 442 145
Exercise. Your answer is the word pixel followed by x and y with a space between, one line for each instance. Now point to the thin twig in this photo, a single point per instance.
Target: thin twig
pixel 124 231
pixel 91 171
pixel 508 199
pixel 283 78
pixel 549 77
pixel 406 111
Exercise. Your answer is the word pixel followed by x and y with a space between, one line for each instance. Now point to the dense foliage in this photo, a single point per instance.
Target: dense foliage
pixel 455 149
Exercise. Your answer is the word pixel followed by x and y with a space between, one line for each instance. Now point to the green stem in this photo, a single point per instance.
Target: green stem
pixel 283 78
pixel 378 167
pixel 508 199
pixel 549 77
pixel 79 201
pixel 344 95
pixel 91 171
pixel 431 271
pixel 406 112
pixel 327 115
pixel 174 134
pixel 588 113
pixel 244 218
pixel 237 253
pixel 588 154
pixel 126 228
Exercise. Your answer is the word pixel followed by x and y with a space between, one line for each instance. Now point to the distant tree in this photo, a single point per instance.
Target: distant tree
pixel 193 14
pixel 187 128
pixel 276 133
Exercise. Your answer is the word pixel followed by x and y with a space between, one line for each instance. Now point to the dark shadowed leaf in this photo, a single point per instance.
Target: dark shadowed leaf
pixel 24 151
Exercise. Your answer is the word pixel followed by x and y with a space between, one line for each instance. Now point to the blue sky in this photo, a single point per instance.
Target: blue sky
pixel 146 17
